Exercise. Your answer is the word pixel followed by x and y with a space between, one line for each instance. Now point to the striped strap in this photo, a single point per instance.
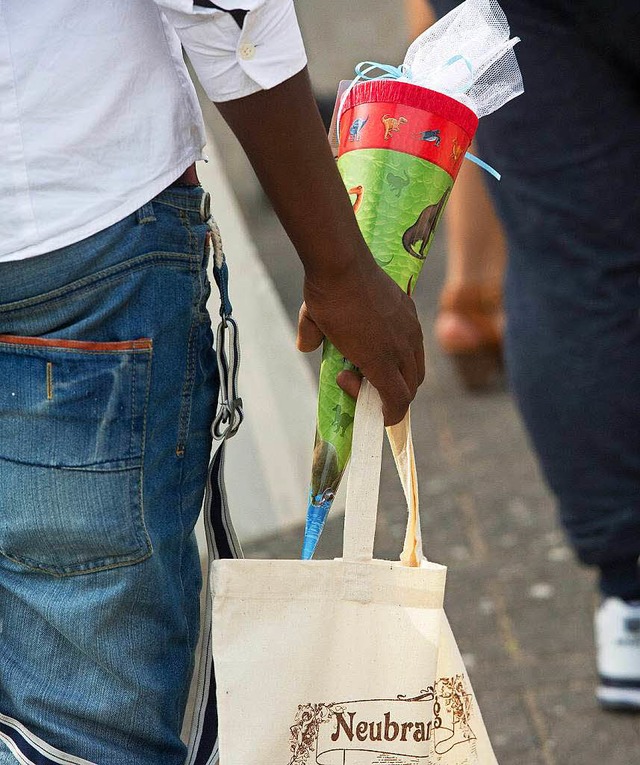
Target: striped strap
pixel 28 749
pixel 222 541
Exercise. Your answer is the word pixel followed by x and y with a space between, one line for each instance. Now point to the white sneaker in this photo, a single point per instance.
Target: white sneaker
pixel 617 626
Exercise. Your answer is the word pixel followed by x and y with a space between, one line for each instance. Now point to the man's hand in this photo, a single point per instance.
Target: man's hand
pixel 374 325
pixel 348 298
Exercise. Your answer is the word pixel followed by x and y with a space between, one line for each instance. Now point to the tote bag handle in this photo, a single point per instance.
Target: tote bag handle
pixel 363 483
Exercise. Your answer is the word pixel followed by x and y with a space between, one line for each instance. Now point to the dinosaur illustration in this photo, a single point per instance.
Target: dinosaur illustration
pixel 358 191
pixel 422 229
pixel 356 128
pixel 433 136
pixel 456 150
pixel 397 183
pixel 326 474
pixel 392 125
pixel 342 420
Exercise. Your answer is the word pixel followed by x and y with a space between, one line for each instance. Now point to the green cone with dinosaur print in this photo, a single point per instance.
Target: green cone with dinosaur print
pixel 398 200
pixel 401 146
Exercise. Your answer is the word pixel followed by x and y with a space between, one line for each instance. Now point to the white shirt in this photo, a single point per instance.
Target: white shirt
pixel 97 111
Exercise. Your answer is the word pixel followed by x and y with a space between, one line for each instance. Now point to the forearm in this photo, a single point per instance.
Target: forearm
pixel 348 298
pixel 283 136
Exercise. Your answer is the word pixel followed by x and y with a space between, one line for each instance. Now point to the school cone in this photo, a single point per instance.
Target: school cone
pixel 401 147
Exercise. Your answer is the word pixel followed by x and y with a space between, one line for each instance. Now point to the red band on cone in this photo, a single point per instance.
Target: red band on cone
pixel 386 114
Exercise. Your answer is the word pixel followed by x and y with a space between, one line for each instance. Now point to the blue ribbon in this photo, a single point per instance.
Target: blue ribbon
pixel 477 161
pixel 390 72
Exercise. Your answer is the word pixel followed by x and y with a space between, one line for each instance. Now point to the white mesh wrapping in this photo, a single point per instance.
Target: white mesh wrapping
pixel 468 55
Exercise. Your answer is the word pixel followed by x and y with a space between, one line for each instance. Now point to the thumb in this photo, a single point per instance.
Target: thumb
pixel 309 334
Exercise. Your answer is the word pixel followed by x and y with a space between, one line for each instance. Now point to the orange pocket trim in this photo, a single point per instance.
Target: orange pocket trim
pixel 142 344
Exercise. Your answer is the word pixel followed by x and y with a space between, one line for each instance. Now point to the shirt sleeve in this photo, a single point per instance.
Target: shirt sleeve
pixel 233 61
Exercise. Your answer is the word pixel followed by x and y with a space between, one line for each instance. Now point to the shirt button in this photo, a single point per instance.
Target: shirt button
pixel 247 51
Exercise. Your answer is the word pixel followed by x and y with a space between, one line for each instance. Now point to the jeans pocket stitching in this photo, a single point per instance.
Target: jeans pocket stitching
pixel 136 537
pixel 109 274
pixel 184 417
pixel 143 445
pixel 90 567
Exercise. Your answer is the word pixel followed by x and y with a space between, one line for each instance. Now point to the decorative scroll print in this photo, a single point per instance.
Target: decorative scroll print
pixel 304 732
pixel 428 694
pixel 417 728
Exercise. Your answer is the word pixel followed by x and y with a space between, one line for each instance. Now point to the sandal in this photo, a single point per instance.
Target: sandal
pixel 469 330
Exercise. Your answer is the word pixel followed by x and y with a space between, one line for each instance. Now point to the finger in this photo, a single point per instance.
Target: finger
pixel 309 335
pixel 409 371
pixel 350 382
pixel 395 396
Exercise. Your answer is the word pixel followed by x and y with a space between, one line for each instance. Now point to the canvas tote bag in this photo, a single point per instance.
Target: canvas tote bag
pixel 348 661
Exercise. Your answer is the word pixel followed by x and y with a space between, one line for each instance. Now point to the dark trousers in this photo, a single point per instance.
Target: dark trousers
pixel 569 152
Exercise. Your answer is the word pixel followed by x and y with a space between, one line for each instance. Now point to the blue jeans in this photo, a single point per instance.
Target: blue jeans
pixel 109 388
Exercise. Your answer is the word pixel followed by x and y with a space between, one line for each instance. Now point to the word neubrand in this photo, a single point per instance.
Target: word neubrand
pixel 390 730
pixel 384 730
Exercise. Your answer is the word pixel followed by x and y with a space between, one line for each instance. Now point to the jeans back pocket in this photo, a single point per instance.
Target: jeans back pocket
pixel 72 429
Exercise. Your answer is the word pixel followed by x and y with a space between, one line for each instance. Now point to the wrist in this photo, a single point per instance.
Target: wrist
pixel 338 264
